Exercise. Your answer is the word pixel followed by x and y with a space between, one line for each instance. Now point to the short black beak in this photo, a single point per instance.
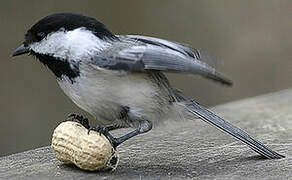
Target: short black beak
pixel 20 50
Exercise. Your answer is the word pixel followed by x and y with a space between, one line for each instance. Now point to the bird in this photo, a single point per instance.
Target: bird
pixel 120 80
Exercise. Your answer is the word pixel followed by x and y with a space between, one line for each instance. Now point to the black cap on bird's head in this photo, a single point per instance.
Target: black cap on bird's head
pixel 65 21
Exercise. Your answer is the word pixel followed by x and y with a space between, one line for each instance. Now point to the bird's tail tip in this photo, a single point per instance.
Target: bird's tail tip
pixel 209 117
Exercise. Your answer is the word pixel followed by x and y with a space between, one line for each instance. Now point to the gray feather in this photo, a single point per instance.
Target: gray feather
pixel 141 53
pixel 218 122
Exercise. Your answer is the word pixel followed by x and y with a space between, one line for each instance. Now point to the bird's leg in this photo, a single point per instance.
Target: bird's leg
pixel 79 118
pixel 84 121
pixel 144 126
pixel 103 129
pixel 125 114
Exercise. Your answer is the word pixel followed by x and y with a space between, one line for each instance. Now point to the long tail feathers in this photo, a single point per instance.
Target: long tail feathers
pixel 215 120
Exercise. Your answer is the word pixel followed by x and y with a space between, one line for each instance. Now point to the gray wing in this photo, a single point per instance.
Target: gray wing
pixel 141 53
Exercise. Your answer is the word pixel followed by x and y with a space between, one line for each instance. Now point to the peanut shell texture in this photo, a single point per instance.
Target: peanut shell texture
pixel 72 144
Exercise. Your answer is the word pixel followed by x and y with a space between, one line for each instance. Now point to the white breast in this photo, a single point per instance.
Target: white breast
pixel 102 92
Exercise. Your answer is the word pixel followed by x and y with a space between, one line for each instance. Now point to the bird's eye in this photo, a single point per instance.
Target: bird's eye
pixel 25 43
pixel 41 35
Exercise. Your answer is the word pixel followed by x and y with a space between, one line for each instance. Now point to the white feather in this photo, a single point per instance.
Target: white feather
pixel 72 45
pixel 102 92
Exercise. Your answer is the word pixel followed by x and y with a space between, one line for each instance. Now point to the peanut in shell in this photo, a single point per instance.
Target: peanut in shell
pixel 72 144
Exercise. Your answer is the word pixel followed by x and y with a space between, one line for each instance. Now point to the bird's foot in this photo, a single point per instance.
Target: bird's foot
pixel 145 126
pixel 100 129
pixel 79 118
pixel 105 131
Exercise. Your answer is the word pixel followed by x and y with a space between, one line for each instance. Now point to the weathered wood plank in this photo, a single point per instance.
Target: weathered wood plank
pixel 186 150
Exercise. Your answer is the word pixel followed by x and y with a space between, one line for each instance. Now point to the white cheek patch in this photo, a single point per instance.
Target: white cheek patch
pixel 71 45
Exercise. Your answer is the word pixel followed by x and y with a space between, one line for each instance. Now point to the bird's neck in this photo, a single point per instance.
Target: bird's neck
pixel 59 67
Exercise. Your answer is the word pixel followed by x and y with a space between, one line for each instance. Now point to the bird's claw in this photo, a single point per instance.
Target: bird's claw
pixel 101 129
pixel 79 118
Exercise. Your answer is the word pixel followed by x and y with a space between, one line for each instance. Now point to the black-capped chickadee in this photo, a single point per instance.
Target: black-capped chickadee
pixel 119 78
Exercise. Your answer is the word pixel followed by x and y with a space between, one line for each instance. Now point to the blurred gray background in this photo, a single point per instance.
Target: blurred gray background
pixel 252 40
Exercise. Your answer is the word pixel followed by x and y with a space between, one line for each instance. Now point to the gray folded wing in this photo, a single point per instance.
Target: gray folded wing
pixel 140 54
